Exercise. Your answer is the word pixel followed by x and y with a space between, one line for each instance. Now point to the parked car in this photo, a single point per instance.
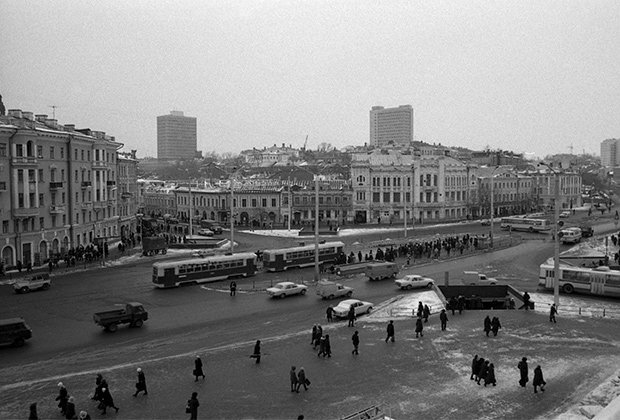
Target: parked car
pixel 14 331
pixel 485 222
pixel 586 231
pixel 571 235
pixel 37 282
pixel 474 278
pixel 342 309
pixel 287 288
pixel 565 214
pixel 330 290
pixel 205 232
pixel 133 314
pixel 414 281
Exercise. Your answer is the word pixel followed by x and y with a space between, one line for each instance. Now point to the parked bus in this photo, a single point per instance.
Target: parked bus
pixel 300 256
pixel 595 281
pixel 202 270
pixel 525 223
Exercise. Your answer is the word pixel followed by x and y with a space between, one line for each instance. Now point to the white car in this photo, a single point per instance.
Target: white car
pixel 342 309
pixel 287 288
pixel 565 214
pixel 414 281
pixel 37 282
pixel 205 232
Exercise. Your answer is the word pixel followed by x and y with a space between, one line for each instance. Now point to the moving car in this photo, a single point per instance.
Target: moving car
pixel 287 288
pixel 414 281
pixel 205 232
pixel 586 231
pixel 14 331
pixel 133 314
pixel 330 290
pixel 38 282
pixel 565 214
pixel 474 278
pixel 571 235
pixel 485 222
pixel 381 270
pixel 342 309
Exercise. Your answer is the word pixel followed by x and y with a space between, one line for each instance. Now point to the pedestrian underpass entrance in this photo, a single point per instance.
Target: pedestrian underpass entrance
pixel 483 297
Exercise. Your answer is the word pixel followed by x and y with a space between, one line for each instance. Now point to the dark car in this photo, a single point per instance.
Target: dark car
pixel 586 231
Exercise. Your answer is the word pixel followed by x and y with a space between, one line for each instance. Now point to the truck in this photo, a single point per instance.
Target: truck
pixel 330 290
pixel 381 270
pixel 474 278
pixel 14 331
pixel 152 245
pixel 36 282
pixel 133 314
pixel 212 225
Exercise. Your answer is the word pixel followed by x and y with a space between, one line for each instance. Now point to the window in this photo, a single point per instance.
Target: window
pixel 264 202
pixel 41 175
pixel 397 197
pixel 62 152
pixel 62 174
pixel 244 202
pixel 386 197
pixel 39 151
pixel 273 202
pixel 376 197
pixel 19 150
pixel 5 226
pixel 3 150
pixel 41 202
pixel 408 197
pixel 52 152
pixel 41 223
pixel 77 218
pixel 435 180
pixel 76 176
pixel 75 154
pixel 254 202
pixel 20 200
pixel 64 219
pixel 82 152
pixel 88 154
pixel 20 175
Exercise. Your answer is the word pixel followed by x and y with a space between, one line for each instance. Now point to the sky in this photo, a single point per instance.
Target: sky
pixel 535 77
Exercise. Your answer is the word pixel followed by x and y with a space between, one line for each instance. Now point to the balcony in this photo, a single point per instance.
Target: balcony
pixel 57 209
pixel 111 184
pixel 24 161
pixel 111 201
pixel 126 195
pixel 100 205
pixel 86 206
pixel 86 184
pixel 56 185
pixel 26 212
pixel 100 164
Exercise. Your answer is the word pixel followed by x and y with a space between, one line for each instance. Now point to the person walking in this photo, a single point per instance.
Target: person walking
pixel 233 288
pixel 552 312
pixel 420 311
pixel 474 367
pixel 106 401
pixel 70 413
pixel 523 370
pixel 192 406
pixel 141 384
pixel 256 354
pixel 487 325
pixel 419 327
pixel 314 332
pixel 293 377
pixel 351 316
pixel 328 346
pixel 330 313
pixel 390 331
pixel 453 304
pixel 495 326
pixel 479 366
pixel 63 396
pixel 322 351
pixel 302 380
pixel 33 412
pixel 443 317
pixel 198 369
pixel 97 395
pixel 490 376
pixel 526 301
pixel 426 312
pixel 482 373
pixel 355 338
pixel 538 381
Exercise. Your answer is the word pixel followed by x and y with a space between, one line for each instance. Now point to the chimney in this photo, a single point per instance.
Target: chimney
pixel 15 113
pixel 41 117
pixel 28 115
pixel 50 122
pixel 69 127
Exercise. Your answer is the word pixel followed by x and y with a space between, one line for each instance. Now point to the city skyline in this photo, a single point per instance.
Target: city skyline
pixel 536 80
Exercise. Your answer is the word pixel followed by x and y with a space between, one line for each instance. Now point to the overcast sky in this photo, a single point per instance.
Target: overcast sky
pixel 529 76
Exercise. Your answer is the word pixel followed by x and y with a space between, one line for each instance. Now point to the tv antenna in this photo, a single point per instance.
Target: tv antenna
pixel 53 110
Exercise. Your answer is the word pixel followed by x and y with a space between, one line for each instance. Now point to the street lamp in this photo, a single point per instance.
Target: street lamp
pixel 556 249
pixel 492 208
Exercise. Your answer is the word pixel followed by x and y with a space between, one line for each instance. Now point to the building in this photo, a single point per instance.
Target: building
pixel 59 187
pixel 512 192
pixel 270 156
pixel 391 127
pixel 610 153
pixel 544 189
pixel 176 136
pixel 127 190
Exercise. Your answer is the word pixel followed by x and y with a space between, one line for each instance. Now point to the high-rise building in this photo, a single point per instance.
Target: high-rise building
pixel 610 152
pixel 176 136
pixel 391 127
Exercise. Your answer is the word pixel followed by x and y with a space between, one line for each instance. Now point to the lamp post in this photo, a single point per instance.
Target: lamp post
pixel 492 207
pixel 232 213
pixel 316 229
pixel 290 205
pixel 556 248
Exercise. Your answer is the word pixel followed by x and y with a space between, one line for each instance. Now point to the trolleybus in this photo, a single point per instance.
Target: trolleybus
pixel 300 256
pixel 525 223
pixel 202 270
pixel 601 280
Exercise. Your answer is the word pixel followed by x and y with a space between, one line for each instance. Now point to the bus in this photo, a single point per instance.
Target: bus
pixel 300 256
pixel 202 270
pixel 525 223
pixel 601 281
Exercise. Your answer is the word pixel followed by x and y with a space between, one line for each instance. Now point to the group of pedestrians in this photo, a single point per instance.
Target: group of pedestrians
pixel 298 379
pixel 492 325
pixel 538 382
pixel 482 369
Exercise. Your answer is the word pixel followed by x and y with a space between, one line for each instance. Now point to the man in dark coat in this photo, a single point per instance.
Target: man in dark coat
pixel 198 369
pixel 390 331
pixel 479 365
pixel 487 325
pixel 322 350
pixel 474 367
pixel 420 311
pixel 552 312
pixel 192 406
pixel 317 338
pixel 351 316
pixel 63 396
pixel 256 354
pixel 538 381
pixel 33 412
pixel 419 327
pixel 461 304
pixel 106 401
pixel 301 379
pixel 70 409
pixel 330 313
pixel 453 304
pixel 482 373
pixel 328 346
pixel 443 317
pixel 313 340
pixel 233 288
pixel 523 371
pixel 495 325
pixel 490 376
pixel 141 384
pixel 355 338
pixel 426 312
pixel 526 301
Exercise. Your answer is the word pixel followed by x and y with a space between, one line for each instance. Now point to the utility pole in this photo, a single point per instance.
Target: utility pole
pixel 53 110
pixel 316 229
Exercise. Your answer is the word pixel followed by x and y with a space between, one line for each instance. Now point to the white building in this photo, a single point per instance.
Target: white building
pixel 391 127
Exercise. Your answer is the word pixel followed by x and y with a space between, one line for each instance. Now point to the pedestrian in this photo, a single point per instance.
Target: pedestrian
pixel 293 376
pixel 490 376
pixel 474 367
pixel 351 316
pixel 426 313
pixel 141 384
pixel 453 304
pixel 355 338
pixel 461 303
pixel 233 288
pixel 330 313
pixel 313 340
pixel 443 317
pixel 328 346
pixel 538 381
pixel 256 354
pixel 302 380
pixel 526 301
pixel 419 327
pixel 420 311
pixel 106 401
pixel 495 326
pixel 552 313
pixel 482 373
pixel 390 331
pixel 70 409
pixel 84 415
pixel 317 338
pixel 198 369
pixel 33 412
pixel 63 396
pixel 192 406
pixel 479 366
pixel 523 371
pixel 97 395
pixel 487 325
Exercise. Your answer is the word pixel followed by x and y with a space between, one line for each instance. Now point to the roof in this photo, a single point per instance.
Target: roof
pixel 215 258
pixel 10 321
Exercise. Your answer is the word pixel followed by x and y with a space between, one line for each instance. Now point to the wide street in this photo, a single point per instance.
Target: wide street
pixel 182 322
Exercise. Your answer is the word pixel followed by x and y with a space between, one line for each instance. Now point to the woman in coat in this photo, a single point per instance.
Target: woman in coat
pixel 70 409
pixel 539 381
pixel 301 379
pixel 192 406
pixel 419 327
pixel 106 401
pixel 474 367
pixel 487 325
pixel 198 369
pixel 62 397
pixel 490 376
pixel 98 380
pixel 141 384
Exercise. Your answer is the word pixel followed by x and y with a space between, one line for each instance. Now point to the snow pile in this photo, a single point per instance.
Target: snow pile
pixel 403 306
pixel 575 307
pixel 595 401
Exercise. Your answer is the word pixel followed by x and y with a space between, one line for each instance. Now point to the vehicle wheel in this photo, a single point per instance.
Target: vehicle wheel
pixel 430 285
pixel 164 251
pixel 25 289
pixel 303 291
pixel 330 297
pixel 112 328
pixel 349 293
pixel 45 286
pixel 18 342
pixel 409 287
pixel 369 310
pixel 138 323
pixel 531 229
pixel 568 289
pixel 282 296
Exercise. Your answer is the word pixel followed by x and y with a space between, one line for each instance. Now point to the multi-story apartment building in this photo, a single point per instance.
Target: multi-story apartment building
pixel 127 192
pixel 176 136
pixel 270 156
pixel 544 188
pixel 299 201
pixel 610 153
pixel 60 187
pixel 391 127
pixel 512 192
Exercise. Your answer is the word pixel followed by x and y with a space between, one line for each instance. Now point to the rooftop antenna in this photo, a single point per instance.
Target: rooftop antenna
pixel 571 148
pixel 53 110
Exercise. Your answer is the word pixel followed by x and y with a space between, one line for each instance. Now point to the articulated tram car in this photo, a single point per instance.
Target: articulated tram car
pixel 300 256
pixel 202 270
